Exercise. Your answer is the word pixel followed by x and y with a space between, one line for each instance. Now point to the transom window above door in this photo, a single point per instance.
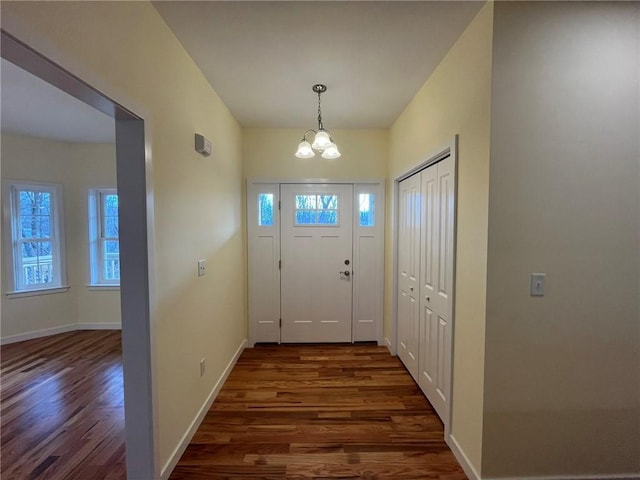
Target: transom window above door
pixel 316 209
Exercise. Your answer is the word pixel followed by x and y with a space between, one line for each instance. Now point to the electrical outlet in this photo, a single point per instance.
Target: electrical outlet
pixel 202 367
pixel 202 268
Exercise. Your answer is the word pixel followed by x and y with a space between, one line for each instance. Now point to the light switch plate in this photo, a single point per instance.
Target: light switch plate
pixel 202 268
pixel 538 281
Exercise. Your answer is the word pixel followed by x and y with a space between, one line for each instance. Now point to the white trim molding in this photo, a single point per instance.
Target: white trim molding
pixel 462 458
pixel 193 427
pixel 46 332
pixel 264 256
pixel 37 292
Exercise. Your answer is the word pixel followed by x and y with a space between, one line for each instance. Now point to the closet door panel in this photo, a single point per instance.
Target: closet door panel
pixel 408 273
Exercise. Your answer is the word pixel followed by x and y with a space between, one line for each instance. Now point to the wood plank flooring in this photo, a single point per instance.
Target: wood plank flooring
pixel 300 412
pixel 285 412
pixel 62 408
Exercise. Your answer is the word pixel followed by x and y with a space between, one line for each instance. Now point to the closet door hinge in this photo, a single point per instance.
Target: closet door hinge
pixel 278 204
pixel 279 264
pixel 280 324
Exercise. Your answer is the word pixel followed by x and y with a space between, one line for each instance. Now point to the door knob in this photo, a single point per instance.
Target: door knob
pixel 346 273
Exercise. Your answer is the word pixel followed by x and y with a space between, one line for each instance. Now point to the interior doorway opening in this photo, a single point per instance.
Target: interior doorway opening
pixel 135 225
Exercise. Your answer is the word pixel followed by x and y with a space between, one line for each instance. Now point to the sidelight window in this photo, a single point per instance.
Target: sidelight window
pixel 265 209
pixel 366 209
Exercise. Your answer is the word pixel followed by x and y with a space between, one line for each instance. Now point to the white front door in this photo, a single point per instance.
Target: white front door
pixel 316 253
pixel 408 272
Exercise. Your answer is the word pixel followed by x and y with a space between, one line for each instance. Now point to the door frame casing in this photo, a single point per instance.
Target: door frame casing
pixel 137 286
pixel 253 183
pixel 450 148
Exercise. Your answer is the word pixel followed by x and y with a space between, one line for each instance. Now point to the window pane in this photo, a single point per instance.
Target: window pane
pixel 35 226
pixel 328 217
pixel 112 247
pixel 43 202
pixel 111 255
pixel 37 263
pixel 367 209
pixel 44 226
pixel 265 209
pixel 44 273
pixel 305 217
pixel 111 227
pixel 28 227
pixel 29 252
pixel 111 205
pixel 112 269
pixel 44 250
pixel 328 202
pixel 305 202
pixel 27 203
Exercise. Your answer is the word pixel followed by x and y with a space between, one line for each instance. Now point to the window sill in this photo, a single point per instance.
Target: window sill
pixel 38 292
pixel 103 288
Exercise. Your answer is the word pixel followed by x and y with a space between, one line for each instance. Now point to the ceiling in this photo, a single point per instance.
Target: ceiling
pixel 31 106
pixel 263 57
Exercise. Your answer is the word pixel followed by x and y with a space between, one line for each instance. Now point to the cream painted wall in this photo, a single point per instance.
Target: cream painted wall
pixel 562 372
pixel 125 50
pixel 77 167
pixel 269 153
pixel 456 100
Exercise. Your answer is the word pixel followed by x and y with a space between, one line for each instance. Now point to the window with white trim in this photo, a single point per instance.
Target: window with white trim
pixel 37 236
pixel 103 237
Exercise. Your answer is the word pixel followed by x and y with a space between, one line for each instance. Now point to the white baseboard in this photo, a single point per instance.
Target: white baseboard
pixel 100 326
pixel 188 435
pixel 388 344
pixel 464 462
pixel 21 337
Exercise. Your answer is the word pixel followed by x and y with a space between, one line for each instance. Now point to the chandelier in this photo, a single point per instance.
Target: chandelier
pixel 322 142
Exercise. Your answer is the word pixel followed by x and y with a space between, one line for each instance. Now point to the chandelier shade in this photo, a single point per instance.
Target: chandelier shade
pixel 322 142
pixel 304 150
pixel 331 151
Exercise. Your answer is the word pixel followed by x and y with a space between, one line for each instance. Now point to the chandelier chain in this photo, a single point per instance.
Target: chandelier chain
pixel 322 141
pixel 320 126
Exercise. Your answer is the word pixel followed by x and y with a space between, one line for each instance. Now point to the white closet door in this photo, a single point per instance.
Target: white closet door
pixel 317 225
pixel 408 272
pixel 436 283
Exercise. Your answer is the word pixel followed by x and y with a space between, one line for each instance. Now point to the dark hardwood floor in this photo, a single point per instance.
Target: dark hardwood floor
pixel 298 412
pixel 62 408
pixel 285 412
